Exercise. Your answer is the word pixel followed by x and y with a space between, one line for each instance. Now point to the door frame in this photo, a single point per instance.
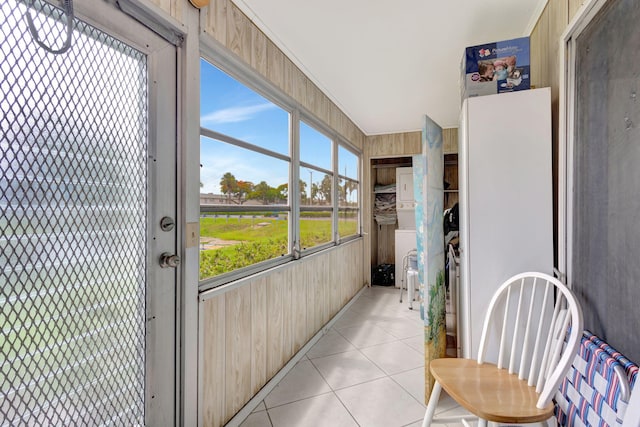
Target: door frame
pixel 162 391
pixel 566 137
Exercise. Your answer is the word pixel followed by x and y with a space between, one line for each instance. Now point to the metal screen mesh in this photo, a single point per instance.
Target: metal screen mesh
pixel 72 225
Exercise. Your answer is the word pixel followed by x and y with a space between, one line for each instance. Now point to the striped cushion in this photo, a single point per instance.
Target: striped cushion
pixel 629 367
pixel 590 393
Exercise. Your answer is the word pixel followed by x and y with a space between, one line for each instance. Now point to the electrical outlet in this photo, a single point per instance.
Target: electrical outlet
pixel 193 234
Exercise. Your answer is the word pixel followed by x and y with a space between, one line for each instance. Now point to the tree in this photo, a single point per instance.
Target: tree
pixel 303 190
pixel 325 188
pixel 345 190
pixel 228 185
pixel 315 192
pixel 349 187
pixel 263 192
pixel 243 188
pixel 283 191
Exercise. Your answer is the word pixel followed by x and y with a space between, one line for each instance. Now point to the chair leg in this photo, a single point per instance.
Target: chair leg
pixel 431 406
pixel 482 422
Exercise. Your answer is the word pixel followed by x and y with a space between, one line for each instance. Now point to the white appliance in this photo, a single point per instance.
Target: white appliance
pixel 405 237
pixel 505 199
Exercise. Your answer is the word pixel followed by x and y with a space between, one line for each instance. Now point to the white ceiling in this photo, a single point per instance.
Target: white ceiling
pixel 387 63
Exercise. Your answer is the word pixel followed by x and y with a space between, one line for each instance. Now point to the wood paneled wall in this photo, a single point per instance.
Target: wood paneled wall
pixel 449 140
pixel 250 332
pixel 174 8
pixel 545 43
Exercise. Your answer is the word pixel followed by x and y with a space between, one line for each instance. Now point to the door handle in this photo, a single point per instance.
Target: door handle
pixel 169 260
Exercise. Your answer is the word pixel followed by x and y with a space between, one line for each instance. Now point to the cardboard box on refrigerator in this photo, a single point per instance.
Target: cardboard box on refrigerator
pixel 497 67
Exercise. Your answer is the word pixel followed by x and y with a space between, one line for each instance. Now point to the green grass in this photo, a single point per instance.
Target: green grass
pixel 259 242
pixel 243 229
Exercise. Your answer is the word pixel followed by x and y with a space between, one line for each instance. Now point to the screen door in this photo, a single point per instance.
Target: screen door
pixel 87 313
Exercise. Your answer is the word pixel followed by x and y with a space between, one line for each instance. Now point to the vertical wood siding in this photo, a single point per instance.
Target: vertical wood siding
pixel 249 333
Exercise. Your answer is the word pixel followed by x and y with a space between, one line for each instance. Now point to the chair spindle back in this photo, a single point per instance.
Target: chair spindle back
pixel 528 320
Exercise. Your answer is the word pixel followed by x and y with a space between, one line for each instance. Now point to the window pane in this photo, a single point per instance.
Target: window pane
pixel 233 240
pixel 229 107
pixel 348 207
pixel 315 187
pixel 347 222
pixel 315 147
pixel 315 228
pixel 348 193
pixel 235 176
pixel 348 163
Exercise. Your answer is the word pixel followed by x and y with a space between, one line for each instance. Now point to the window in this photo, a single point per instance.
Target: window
pixel 348 206
pixel 273 187
pixel 316 206
pixel 244 176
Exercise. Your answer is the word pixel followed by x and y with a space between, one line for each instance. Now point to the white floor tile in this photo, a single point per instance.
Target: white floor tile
pixel 394 357
pixel 419 424
pixel 320 411
pixel 448 406
pixel 352 318
pixel 413 382
pixel 301 382
pixel 368 314
pixel 402 328
pixel 331 343
pixel 257 419
pixel 347 369
pixel 416 343
pixel 260 407
pixel 366 335
pixel 381 403
pixel 372 360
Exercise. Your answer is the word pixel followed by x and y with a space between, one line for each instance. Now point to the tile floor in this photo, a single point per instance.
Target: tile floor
pixel 367 371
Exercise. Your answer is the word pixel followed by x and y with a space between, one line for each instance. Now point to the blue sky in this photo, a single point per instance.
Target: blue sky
pixel 229 107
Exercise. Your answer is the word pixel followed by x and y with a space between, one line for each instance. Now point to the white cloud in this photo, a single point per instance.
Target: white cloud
pixel 216 164
pixel 235 114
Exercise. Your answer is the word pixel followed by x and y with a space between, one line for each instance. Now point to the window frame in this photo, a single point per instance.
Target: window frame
pixel 567 108
pixel 243 74
pixel 315 124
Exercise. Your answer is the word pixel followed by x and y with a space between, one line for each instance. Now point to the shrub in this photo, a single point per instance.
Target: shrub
pixel 217 261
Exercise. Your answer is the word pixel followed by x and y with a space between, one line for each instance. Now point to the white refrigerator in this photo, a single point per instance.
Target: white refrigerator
pixel 505 199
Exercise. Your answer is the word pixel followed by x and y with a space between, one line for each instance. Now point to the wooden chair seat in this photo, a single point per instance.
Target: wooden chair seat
pixel 488 392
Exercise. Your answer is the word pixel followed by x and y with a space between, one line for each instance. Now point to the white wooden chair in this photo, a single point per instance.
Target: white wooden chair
pixel 525 335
